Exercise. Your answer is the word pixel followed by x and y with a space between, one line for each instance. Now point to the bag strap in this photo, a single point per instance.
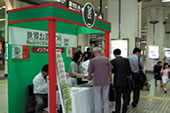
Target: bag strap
pixel 140 68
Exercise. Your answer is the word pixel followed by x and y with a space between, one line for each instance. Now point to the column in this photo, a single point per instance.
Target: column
pixel 130 24
pixel 155 16
pixel 52 65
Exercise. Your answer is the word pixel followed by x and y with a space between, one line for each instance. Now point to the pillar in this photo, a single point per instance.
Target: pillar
pixel 52 65
pixel 155 16
pixel 130 22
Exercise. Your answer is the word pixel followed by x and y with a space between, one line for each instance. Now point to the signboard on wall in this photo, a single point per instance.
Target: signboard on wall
pixel 22 36
pixel 153 52
pixel 167 52
pixel 119 44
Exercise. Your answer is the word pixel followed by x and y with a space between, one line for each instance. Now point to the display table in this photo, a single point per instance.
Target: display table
pixel 82 99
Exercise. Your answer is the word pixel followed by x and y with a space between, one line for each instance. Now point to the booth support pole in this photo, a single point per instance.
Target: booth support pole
pixel 107 44
pixel 52 65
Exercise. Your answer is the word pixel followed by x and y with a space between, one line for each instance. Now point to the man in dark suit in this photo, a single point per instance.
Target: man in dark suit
pixel 120 70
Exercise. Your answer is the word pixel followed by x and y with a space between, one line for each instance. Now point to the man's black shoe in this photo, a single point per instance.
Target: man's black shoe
pixel 113 111
pixel 133 105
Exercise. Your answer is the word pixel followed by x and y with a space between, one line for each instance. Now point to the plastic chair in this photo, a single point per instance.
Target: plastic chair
pixel 30 100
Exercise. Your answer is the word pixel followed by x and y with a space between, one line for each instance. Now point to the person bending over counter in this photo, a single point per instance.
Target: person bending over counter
pixel 41 89
pixel 75 68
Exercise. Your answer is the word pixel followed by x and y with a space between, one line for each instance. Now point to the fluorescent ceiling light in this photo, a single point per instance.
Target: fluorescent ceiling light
pixel 165 0
pixel 2 19
pixel 4 7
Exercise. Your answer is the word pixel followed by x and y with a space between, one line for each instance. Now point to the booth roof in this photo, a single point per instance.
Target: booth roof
pixel 35 17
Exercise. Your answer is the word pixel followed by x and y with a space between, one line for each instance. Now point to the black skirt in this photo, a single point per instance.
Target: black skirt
pixel 158 77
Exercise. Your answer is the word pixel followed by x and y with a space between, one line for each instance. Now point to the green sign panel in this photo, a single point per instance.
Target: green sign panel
pixel 89 15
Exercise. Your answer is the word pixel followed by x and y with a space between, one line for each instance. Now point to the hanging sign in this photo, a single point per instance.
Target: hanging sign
pixel 153 52
pixel 89 15
pixel 22 36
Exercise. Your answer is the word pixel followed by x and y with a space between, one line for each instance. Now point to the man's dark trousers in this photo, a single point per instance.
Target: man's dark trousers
pixel 119 91
pixel 136 89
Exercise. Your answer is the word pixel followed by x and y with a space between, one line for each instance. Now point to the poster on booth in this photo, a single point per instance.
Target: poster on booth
pixel 23 36
pixel 16 52
pixel 69 52
pixel 119 44
pixel 62 84
pixel 153 52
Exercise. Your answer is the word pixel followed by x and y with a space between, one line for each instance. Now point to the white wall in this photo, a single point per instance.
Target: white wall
pixel 83 41
pixel 130 20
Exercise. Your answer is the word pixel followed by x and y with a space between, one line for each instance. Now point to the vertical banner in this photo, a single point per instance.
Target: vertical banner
pixel 62 84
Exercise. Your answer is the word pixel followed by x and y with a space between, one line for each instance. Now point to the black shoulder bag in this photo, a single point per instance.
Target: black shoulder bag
pixel 142 76
pixel 131 82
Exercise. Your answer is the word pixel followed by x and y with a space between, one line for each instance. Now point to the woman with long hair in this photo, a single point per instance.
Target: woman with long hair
pixel 75 68
pixel 157 72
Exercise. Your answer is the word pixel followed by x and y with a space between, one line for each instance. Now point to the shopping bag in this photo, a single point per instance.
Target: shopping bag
pixel 131 82
pixel 112 94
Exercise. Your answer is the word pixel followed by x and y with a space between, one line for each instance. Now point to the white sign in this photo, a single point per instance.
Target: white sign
pixel 154 52
pixel 22 36
pixel 119 44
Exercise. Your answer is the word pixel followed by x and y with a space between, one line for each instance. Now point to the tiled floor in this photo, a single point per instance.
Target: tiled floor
pixel 152 101
pixel 3 96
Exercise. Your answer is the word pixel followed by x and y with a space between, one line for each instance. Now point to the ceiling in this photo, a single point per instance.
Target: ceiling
pixel 145 4
pixel 153 3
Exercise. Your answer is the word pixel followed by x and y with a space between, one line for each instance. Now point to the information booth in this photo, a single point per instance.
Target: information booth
pixel 34 33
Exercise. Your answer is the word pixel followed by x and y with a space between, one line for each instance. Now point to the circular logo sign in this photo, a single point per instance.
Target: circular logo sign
pixel 89 15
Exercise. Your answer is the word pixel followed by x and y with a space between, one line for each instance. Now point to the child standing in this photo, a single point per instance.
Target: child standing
pixel 165 76
pixel 157 72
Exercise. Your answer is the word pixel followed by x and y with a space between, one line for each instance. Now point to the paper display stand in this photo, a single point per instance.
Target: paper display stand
pixel 62 84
